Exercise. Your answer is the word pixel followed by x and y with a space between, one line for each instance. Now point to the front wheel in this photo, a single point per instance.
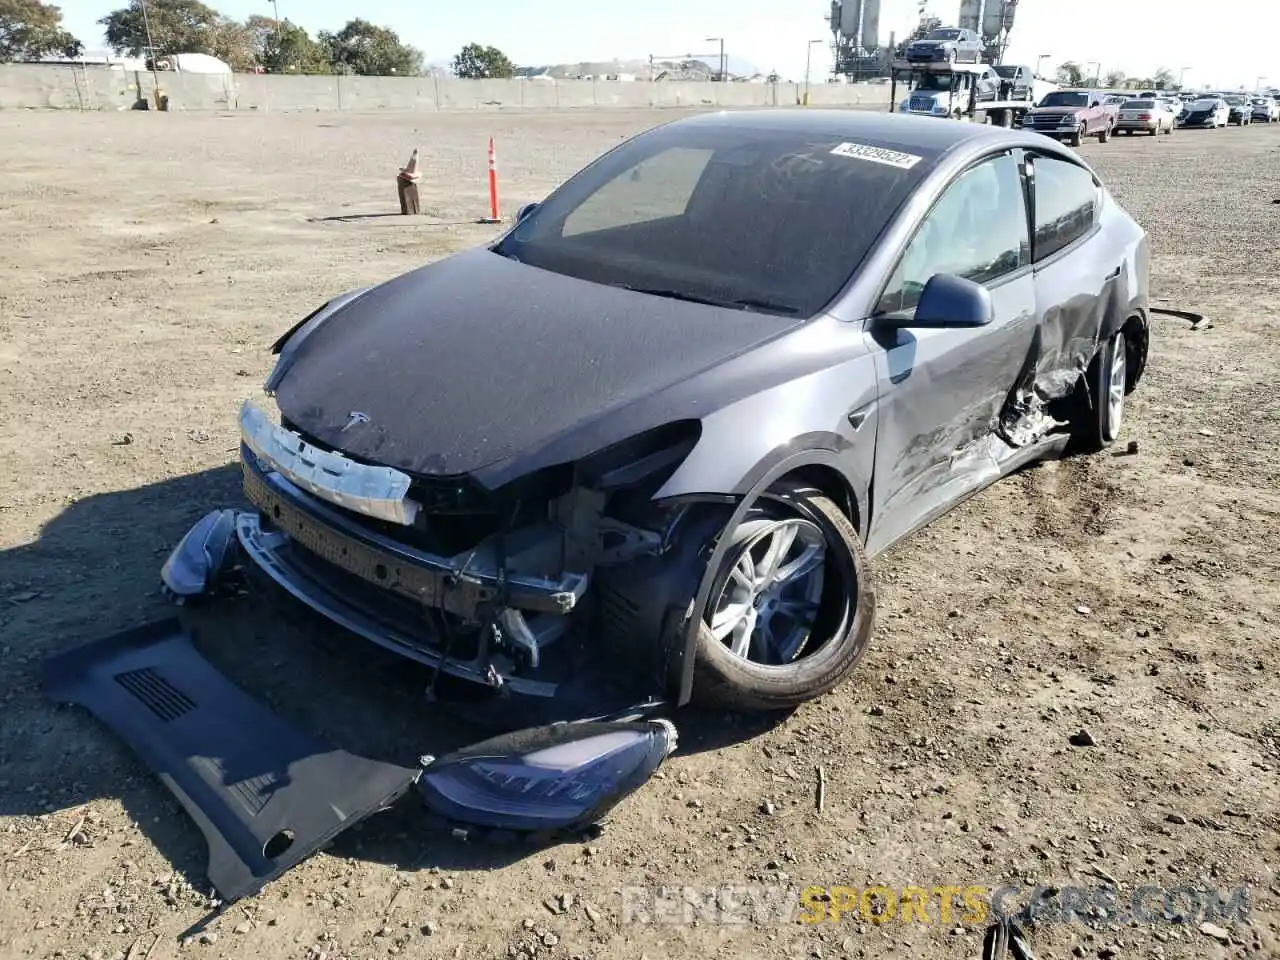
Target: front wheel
pixel 1077 138
pixel 791 606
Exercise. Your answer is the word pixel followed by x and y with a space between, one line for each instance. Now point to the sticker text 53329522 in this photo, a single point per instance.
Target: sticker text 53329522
pixel 891 158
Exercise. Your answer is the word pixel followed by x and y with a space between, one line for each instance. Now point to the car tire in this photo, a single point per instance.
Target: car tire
pixel 845 612
pixel 1100 396
pixel 1076 138
pixel 1104 134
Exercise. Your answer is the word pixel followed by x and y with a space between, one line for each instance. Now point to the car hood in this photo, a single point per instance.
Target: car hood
pixel 1057 111
pixel 477 360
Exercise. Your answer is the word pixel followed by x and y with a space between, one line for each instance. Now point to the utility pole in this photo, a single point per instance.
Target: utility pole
pixel 722 71
pixel 151 46
pixel 275 5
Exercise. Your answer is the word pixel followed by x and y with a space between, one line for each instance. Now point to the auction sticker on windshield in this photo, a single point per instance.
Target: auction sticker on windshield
pixel 890 158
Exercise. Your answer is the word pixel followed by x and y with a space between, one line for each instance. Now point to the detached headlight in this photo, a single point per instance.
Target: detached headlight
pixel 204 553
pixel 547 779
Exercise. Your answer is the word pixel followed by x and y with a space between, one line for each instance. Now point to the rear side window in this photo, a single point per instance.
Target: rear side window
pixel 1066 205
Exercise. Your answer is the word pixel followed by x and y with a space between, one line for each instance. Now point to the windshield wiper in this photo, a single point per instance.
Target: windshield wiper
pixel 747 303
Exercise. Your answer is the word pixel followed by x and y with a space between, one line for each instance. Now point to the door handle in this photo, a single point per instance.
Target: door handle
pixel 1112 275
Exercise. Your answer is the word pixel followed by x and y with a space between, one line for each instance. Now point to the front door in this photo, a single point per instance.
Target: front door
pixel 941 391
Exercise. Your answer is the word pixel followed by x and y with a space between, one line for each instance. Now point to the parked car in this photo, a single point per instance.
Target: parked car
pixel 1265 109
pixel 706 430
pixel 1071 115
pixel 1239 109
pixel 1145 116
pixel 1210 111
pixel 948 45
pixel 1016 82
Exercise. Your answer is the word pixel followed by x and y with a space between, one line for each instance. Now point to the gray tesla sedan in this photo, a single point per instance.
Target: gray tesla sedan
pixel 658 431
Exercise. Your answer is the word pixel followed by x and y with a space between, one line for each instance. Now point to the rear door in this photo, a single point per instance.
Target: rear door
pixel 941 391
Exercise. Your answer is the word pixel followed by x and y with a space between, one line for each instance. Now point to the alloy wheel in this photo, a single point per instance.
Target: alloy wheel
pixel 1116 385
pixel 766 607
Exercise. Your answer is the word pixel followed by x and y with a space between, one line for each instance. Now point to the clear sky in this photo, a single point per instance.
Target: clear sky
pixel 1236 45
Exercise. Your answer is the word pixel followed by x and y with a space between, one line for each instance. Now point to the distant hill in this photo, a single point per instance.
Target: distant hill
pixel 694 68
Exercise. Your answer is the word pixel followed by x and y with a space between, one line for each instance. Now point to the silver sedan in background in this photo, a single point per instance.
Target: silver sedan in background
pixel 1145 116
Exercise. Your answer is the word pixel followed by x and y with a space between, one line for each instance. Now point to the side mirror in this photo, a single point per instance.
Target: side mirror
pixel 951 301
pixel 524 211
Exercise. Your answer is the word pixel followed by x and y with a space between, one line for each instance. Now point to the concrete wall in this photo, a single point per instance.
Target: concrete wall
pixel 36 86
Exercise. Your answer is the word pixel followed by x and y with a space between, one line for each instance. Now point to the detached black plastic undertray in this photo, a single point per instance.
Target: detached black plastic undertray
pixel 264 794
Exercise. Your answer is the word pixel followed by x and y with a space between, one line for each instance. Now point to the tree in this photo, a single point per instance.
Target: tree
pixel 286 47
pixel 925 27
pixel 1115 78
pixel 177 26
pixel 30 30
pixel 1070 74
pixel 1163 78
pixel 371 51
pixel 475 62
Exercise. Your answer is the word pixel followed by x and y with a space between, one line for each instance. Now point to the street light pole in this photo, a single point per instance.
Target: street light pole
pixel 1182 78
pixel 808 62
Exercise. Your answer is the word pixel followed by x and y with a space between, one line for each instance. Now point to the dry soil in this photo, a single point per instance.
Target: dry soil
pixel 146 261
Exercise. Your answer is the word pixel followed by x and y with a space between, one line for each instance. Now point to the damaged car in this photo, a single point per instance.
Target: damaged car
pixel 663 423
pixel 641 451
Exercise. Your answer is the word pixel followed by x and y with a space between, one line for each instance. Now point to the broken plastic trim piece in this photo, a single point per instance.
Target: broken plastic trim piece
pixel 264 794
pixel 548 779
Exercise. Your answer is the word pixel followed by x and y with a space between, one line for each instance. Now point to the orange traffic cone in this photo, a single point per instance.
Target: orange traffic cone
pixel 407 186
pixel 495 212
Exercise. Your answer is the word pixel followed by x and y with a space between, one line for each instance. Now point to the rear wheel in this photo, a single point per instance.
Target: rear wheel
pixel 1100 398
pixel 1104 134
pixel 791 607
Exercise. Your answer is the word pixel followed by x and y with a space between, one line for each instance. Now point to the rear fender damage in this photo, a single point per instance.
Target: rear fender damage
pixel 267 795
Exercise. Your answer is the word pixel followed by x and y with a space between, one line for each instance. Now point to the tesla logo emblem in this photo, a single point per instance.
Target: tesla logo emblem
pixel 356 418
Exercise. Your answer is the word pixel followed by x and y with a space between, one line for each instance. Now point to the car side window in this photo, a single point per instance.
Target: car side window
pixel 976 230
pixel 656 188
pixel 1066 205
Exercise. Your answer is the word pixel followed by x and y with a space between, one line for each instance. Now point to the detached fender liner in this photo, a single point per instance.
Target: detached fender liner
pixel 264 794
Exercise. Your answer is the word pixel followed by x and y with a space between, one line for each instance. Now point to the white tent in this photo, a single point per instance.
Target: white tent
pixel 193 63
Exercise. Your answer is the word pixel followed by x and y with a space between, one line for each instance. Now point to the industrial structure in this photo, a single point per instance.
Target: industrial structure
pixel 855 51
pixel 855 26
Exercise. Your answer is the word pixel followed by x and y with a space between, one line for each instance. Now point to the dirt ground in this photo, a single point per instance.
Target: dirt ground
pixel 146 262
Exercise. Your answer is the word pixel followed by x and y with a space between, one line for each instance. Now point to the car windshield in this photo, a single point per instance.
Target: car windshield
pixel 1236 101
pixel 1205 103
pixel 1065 98
pixel 1004 71
pixel 944 35
pixel 774 220
pixel 933 82
pixel 1140 105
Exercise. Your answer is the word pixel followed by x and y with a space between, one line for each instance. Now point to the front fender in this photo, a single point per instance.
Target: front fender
pixel 780 462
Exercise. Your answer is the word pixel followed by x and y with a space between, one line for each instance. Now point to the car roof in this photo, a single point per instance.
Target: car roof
pixel 926 134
